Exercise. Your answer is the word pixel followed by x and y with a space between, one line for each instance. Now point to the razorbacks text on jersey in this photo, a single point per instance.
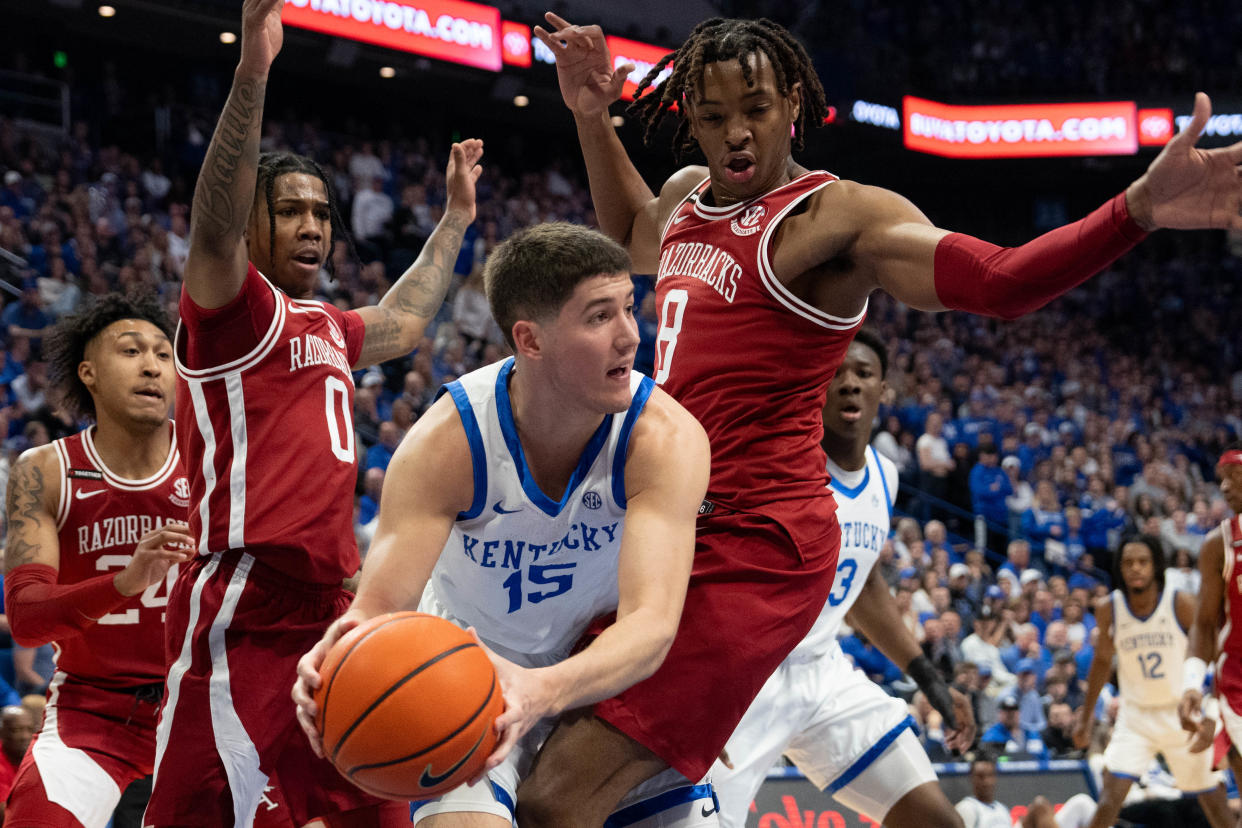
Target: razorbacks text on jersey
pixel 100 518
pixel 864 510
pixel 527 571
pixel 749 359
pixel 291 394
pixel 1150 650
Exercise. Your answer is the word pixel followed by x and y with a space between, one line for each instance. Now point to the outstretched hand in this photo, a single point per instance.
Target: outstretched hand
pixel 308 680
pixel 526 702
pixel 1187 188
pixel 262 33
pixel 589 82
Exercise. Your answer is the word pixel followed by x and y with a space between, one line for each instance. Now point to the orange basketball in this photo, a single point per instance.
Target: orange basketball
pixel 407 706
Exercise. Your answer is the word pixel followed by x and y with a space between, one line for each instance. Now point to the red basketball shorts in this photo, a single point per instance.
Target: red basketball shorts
pixel 754 593
pixel 236 630
pixel 93 743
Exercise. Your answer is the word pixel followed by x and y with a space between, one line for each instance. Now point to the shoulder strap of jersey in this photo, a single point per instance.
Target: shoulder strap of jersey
pixel 879 468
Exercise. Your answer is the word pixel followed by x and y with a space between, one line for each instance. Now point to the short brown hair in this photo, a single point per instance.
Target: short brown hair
pixel 534 272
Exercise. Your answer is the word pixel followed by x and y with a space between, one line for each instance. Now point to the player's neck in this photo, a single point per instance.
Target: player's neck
pixel 848 453
pixel 1144 601
pixel 131 451
pixel 553 434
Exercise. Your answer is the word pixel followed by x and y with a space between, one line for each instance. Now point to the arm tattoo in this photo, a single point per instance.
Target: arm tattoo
pixel 420 290
pixel 24 504
pixel 226 184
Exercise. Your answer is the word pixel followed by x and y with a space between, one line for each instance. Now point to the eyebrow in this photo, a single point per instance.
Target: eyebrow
pixel 608 300
pixel 141 336
pixel 762 90
pixel 298 200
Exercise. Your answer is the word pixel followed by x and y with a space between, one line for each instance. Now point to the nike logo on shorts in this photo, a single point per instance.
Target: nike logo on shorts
pixel 81 495
pixel 499 509
pixel 713 810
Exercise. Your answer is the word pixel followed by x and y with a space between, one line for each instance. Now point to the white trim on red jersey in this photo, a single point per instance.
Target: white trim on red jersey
pixel 246 360
pixel 63 503
pixel 124 483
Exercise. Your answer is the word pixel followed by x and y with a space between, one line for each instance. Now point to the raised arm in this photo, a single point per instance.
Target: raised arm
pixel 38 608
pixel 891 245
pixel 1097 676
pixel 627 209
pixel 397 323
pixel 215 267
pixel 1201 643
pixel 873 613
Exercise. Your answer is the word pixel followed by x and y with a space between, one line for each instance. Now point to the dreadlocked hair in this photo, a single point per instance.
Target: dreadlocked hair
pixel 721 39
pixel 64 348
pixel 272 165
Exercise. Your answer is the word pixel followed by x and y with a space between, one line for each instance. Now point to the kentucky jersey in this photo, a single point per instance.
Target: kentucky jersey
pixel 529 572
pixel 99 520
pixel 864 510
pixel 1150 650
pixel 749 359
pixel 1229 664
pixel 288 503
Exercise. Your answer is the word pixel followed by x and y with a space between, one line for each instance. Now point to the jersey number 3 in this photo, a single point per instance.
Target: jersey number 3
pixel 670 326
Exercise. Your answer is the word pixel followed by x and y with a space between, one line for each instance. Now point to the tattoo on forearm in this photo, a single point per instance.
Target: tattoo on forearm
pixel 420 290
pixel 222 197
pixel 24 502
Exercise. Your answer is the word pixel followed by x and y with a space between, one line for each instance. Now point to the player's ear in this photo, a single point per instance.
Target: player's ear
pixel 527 339
pixel 86 373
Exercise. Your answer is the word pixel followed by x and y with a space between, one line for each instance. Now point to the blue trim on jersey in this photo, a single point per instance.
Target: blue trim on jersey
pixel 1199 793
pixel 669 799
pixel 839 489
pixel 1173 601
pixel 1123 776
pixel 478 455
pixel 1135 615
pixel 862 762
pixel 623 440
pixel 888 497
pixel 504 412
pixel 501 795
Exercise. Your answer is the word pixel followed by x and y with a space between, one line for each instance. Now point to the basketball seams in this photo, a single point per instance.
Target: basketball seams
pixel 327 691
pixel 465 724
pixel 394 687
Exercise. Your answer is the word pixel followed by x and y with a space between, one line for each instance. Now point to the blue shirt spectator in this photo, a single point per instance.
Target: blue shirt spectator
pixel 1044 521
pixel 380 454
pixel 989 486
pixel 1009 737
pixel 870 660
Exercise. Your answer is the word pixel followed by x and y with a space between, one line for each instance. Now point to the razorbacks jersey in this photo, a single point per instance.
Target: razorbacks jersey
pixel 864 511
pixel 268 437
pixel 100 518
pixel 749 359
pixel 1229 664
pixel 529 572
pixel 1150 651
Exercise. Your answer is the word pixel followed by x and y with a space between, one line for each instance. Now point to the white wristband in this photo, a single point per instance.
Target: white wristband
pixel 1193 673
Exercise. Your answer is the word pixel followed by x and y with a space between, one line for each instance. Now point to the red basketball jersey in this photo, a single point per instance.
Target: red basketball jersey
pixel 1229 664
pixel 100 518
pixel 268 436
pixel 743 354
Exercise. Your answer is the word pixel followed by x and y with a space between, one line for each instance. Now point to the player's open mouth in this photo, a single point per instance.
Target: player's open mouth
pixel 619 373
pixel 308 260
pixel 153 393
pixel 851 413
pixel 740 169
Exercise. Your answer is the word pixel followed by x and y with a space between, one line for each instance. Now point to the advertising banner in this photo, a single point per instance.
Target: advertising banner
pixel 452 30
pixel 1020 130
pixel 644 56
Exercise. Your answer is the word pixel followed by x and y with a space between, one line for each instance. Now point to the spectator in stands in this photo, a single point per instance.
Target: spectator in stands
pixel 1044 611
pixel 1022 496
pixel 380 454
pixel 965 592
pixel 471 313
pixel 17 728
pixel 1044 521
pixel 372 211
pixel 937 646
pixel 26 317
pixel 930 727
pixel 1008 737
pixel 1026 647
pixel 1017 558
pixel 989 489
pixel 1176 533
pixel 935 461
pixel 981 648
pixel 1030 702
pixel 1058 736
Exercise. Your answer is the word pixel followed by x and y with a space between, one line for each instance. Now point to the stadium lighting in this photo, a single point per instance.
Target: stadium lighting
pixel 228 38
pixel 387 72
pixel 107 11
pixel 521 100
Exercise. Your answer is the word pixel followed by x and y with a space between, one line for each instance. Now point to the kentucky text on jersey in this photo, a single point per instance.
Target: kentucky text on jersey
pixel 1146 641
pixel 312 350
pixel 857 534
pixel 123 530
pixel 489 554
pixel 705 262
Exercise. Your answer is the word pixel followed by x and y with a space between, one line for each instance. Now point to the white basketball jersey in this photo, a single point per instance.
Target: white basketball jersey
pixel 1150 651
pixel 528 572
pixel 864 510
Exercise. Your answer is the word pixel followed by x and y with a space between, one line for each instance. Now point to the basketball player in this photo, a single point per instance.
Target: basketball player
pixel 849 737
pixel 96 531
pixel 764 270
pixel 1143 624
pixel 535 495
pixel 1220 604
pixel 265 403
